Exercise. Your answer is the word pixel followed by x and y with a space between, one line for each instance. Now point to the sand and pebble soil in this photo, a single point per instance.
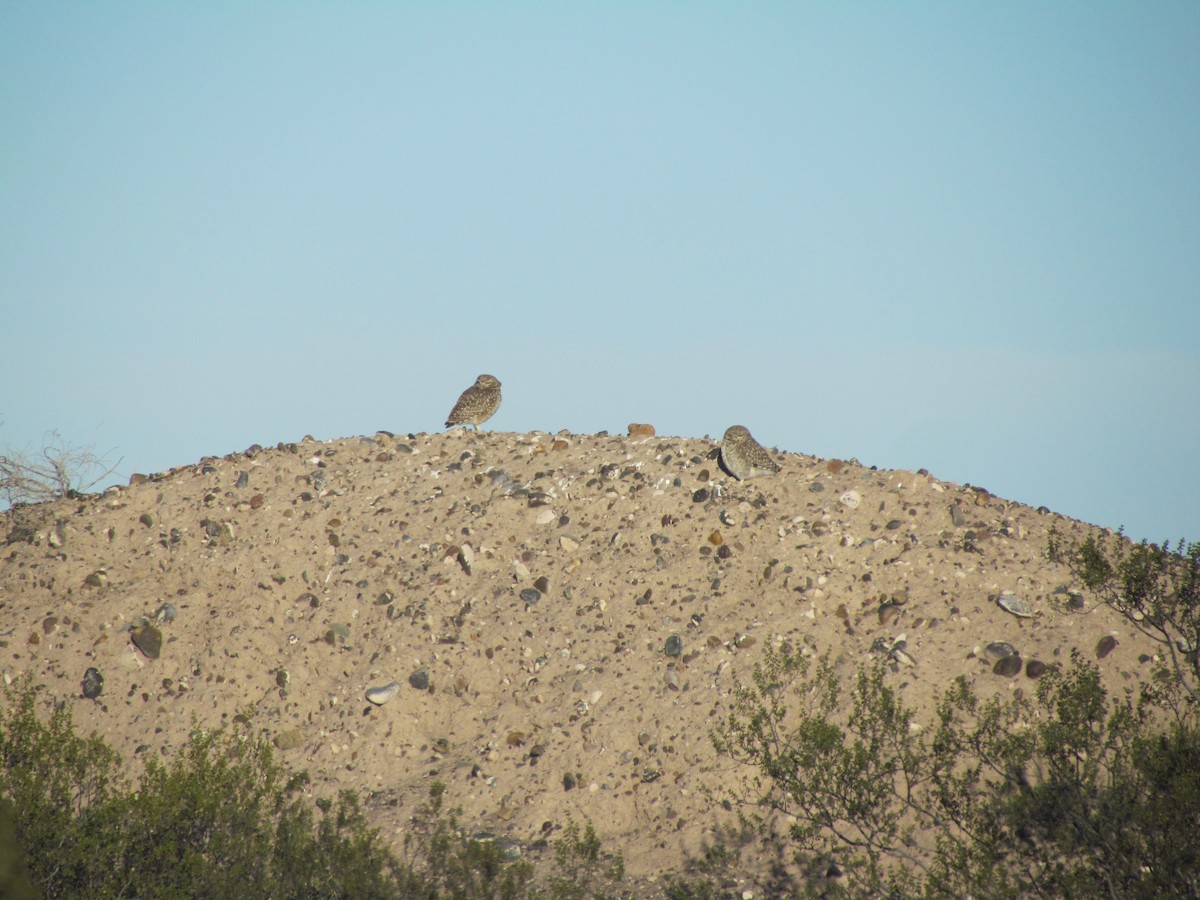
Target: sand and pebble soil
pixel 550 624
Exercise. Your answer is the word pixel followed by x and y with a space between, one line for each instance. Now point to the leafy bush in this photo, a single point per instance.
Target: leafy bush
pixel 225 820
pixel 583 870
pixel 1155 588
pixel 1071 793
pixel 455 865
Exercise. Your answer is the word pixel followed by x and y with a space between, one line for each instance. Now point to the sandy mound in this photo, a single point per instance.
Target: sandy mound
pixel 580 608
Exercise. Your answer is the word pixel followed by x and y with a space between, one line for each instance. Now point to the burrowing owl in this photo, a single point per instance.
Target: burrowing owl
pixel 745 457
pixel 477 404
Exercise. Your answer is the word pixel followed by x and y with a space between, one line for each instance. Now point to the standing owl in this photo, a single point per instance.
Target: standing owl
pixel 477 404
pixel 745 457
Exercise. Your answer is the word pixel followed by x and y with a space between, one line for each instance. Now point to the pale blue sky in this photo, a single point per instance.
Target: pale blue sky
pixel 958 236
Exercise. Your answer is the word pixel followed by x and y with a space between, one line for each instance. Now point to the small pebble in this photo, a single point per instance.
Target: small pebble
pixel 673 646
pixel 93 683
pixel 381 695
pixel 419 679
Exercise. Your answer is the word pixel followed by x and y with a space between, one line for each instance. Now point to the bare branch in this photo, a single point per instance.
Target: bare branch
pixel 56 470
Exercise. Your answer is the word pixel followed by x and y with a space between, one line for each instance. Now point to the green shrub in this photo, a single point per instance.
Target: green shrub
pixel 582 869
pixel 1071 793
pixel 456 865
pixel 223 820
pixel 1155 588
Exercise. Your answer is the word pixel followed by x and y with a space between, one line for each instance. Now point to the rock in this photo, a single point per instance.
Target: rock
pixel 466 558
pixel 1015 605
pixel 956 516
pixel 998 650
pixel 636 430
pixel 419 679
pixel 834 466
pixel 673 646
pixel 1105 646
pixel 850 499
pixel 93 683
pixel 99 578
pixel 531 595
pixel 381 695
pixel 1035 668
pixel 289 740
pixel 148 639
pixel 1008 667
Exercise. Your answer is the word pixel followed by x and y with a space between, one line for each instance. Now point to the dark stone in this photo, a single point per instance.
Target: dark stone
pixel 148 639
pixel 531 595
pixel 673 646
pixel 1105 646
pixel 1008 666
pixel 93 683
pixel 419 679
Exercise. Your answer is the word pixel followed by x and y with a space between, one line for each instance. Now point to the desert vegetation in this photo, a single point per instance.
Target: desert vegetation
pixel 1071 792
